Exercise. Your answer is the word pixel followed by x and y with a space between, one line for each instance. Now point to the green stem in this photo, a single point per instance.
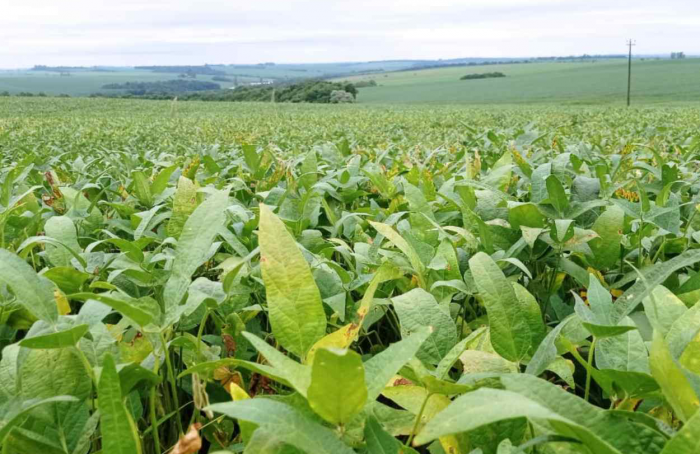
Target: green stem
pixel 588 370
pixel 154 419
pixel 418 418
pixel 200 331
pixel 171 379
pixel 639 254
pixel 87 365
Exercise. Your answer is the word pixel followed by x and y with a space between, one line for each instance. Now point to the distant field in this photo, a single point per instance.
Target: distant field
pixel 603 82
pixel 79 83
pixel 84 83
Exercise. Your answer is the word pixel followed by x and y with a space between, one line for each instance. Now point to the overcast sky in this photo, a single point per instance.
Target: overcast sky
pixel 141 32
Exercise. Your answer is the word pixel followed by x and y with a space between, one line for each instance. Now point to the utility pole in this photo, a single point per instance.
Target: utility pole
pixel 630 43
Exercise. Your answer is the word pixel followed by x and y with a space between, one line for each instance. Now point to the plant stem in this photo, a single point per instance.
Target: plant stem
pixel 588 370
pixel 154 419
pixel 171 379
pixel 639 254
pixel 418 418
pixel 200 331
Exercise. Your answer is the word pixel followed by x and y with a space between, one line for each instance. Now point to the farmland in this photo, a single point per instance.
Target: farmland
pixel 328 279
pixel 603 82
pixel 87 81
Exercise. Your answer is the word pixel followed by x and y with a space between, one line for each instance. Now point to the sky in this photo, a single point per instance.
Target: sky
pixel 194 32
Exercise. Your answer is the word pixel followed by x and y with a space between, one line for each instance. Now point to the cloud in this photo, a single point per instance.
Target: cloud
pixel 131 32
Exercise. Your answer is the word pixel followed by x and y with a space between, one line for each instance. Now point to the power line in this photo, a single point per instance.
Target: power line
pixel 630 43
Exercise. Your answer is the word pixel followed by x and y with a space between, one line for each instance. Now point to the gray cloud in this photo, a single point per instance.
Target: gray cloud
pixel 135 32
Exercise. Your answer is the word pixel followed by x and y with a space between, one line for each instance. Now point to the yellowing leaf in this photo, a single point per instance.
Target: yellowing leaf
pixel 293 299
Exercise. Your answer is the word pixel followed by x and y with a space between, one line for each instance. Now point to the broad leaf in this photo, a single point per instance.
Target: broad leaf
pixel 293 299
pixel 337 391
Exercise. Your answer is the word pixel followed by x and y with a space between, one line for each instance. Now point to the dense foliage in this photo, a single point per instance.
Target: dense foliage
pixel 163 87
pixel 339 279
pixel 311 91
pixel 482 76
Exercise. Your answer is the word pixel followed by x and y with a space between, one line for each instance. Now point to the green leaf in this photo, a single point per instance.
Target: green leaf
pixel 184 204
pixel 653 276
pixel 663 308
pixel 547 351
pixel 142 188
pixel 683 331
pixel 383 366
pixel 277 374
pixel 485 406
pixel 309 167
pixel 194 244
pixel 252 159
pixel 606 248
pixel 623 352
pixel 119 433
pixel 623 435
pixel 298 375
pixel 447 361
pixel 265 441
pixel 13 410
pixel 686 440
pixel 511 334
pixel 598 316
pixel 60 339
pixel 143 310
pixel 33 292
pixel 557 195
pixel 337 391
pixel 288 424
pixel 161 180
pixel 293 299
pixel 524 214
pixel 408 250
pixel 68 279
pixel 674 384
pixel 380 442
pixel 417 309
pixel 61 228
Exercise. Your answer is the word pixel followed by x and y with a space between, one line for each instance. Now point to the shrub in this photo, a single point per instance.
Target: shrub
pixel 341 97
pixel 482 76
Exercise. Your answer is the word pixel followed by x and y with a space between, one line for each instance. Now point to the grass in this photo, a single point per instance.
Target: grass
pixel 602 82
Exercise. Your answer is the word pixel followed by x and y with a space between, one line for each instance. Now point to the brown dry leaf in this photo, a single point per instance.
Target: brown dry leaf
pixel 189 443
